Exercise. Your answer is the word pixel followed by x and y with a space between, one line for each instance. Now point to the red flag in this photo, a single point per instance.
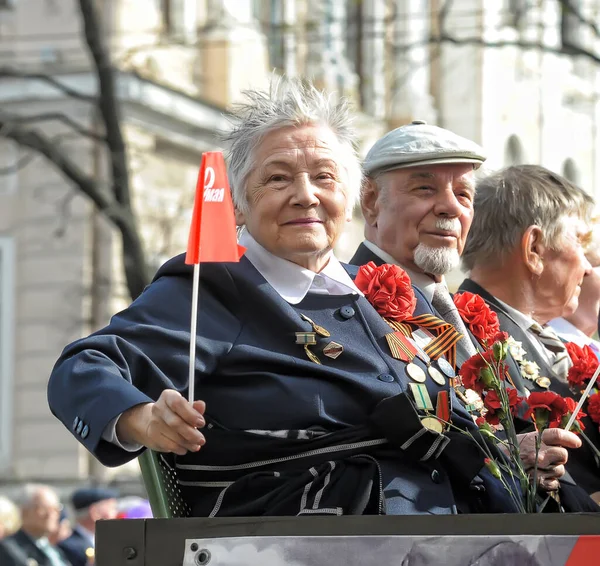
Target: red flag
pixel 212 232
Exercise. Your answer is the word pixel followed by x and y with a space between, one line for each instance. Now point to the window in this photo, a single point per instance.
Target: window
pixel 6 348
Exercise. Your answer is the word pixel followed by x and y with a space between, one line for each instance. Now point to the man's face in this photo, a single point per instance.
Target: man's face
pixel 421 215
pixel 41 516
pixel 564 269
pixel 105 509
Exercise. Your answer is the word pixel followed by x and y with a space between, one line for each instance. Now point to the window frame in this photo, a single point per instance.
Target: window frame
pixel 7 268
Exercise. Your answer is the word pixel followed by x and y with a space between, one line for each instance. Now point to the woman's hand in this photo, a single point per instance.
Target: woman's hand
pixel 552 456
pixel 169 425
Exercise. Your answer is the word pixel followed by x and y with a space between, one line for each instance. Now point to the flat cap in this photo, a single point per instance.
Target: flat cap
pixel 419 144
pixel 83 498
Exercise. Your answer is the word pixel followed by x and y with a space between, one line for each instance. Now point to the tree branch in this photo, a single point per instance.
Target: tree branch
pixel 572 50
pixel 10 73
pixel 50 116
pixel 107 102
pixel 136 270
pixel 572 8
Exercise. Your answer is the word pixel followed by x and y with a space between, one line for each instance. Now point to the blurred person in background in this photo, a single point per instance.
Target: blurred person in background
pixel 90 505
pixel 580 326
pixel 64 530
pixel 10 518
pixel 40 513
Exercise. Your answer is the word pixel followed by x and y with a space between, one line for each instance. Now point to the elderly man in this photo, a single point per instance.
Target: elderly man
pixel 580 326
pixel 525 257
pixel 40 512
pixel 90 505
pixel 305 412
pixel 417 202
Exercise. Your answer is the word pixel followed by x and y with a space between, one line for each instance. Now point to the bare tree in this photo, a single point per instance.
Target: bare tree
pixel 114 200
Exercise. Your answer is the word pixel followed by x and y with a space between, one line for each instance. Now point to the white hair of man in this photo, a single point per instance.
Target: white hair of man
pixel 289 102
pixel 30 492
pixel 513 199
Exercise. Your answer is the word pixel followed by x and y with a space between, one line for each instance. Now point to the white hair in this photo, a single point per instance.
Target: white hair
pixel 30 492
pixel 289 102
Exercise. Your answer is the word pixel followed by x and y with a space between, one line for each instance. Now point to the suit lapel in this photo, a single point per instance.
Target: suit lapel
pixel 364 255
pixel 508 324
pixel 30 549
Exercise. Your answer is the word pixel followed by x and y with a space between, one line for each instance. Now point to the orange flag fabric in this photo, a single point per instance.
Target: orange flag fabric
pixel 213 234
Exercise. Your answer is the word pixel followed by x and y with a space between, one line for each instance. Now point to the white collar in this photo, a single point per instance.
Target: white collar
pixel 425 283
pixel 570 332
pixel 291 281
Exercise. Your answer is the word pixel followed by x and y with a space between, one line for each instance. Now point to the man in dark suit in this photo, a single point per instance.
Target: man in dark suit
pixel 525 255
pixel 90 505
pixel 40 511
pixel 417 201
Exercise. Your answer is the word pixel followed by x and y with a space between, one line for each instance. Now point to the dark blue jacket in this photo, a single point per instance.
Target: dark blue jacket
pixel 281 428
pixel 75 548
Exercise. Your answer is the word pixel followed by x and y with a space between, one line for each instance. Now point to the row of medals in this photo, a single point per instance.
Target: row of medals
pixel 415 372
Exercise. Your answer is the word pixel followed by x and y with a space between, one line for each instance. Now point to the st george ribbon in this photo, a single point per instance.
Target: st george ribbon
pixel 212 236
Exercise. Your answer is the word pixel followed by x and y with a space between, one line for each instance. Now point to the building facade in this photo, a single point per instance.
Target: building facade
pixel 521 78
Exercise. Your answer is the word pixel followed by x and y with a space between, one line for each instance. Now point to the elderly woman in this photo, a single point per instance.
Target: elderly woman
pixel 533 224
pixel 304 410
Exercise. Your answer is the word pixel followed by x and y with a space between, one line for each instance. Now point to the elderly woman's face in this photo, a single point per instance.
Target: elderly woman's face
pixel 297 194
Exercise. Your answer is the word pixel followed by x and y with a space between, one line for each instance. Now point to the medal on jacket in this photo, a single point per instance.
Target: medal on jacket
pixel 316 328
pixel 421 396
pixel 443 408
pixel 405 349
pixel 308 339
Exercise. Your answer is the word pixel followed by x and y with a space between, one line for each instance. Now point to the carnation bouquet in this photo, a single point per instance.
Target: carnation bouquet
pixel 485 373
pixel 484 378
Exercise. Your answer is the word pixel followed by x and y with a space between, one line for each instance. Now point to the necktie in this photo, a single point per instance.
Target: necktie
pixel 51 552
pixel 443 303
pixel 556 349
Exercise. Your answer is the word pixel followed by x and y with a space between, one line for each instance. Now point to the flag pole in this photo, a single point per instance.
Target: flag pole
pixel 193 328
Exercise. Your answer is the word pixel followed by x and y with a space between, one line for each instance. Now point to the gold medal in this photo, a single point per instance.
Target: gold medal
pixel 333 350
pixel 433 424
pixel 318 329
pixel 543 382
pixel 437 376
pixel 416 373
pixel 312 357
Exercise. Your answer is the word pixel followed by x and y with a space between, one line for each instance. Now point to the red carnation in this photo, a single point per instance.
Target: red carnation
pixel 546 407
pixel 578 425
pixel 388 288
pixel 593 407
pixel 494 406
pixel 584 365
pixel 500 336
pixel 477 315
pixel 470 371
